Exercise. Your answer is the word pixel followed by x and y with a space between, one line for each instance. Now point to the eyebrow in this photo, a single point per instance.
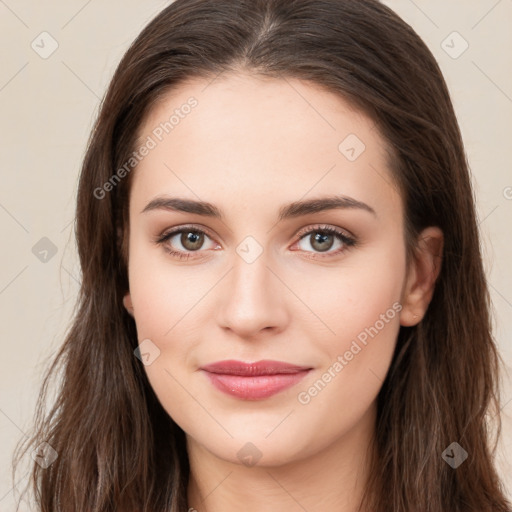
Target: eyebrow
pixel 289 211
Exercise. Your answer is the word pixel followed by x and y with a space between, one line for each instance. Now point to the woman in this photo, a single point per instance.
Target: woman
pixel 283 304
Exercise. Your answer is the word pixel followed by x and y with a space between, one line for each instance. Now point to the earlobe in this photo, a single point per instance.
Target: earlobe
pixel 127 302
pixel 422 275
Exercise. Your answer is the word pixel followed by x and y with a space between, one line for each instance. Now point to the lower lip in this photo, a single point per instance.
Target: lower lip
pixel 255 388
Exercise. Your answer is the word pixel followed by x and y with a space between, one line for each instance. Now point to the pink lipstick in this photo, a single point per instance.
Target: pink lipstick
pixel 254 381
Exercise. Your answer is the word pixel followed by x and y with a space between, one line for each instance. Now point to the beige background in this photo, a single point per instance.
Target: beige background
pixel 48 106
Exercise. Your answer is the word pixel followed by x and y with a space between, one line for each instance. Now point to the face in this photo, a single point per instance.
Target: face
pixel 267 270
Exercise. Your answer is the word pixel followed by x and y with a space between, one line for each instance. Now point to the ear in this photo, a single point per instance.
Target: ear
pixel 421 276
pixel 127 302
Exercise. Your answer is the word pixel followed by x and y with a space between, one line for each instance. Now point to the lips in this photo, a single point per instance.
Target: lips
pixel 254 381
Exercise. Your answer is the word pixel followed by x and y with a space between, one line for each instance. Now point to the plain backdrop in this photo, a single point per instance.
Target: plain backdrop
pixel 48 103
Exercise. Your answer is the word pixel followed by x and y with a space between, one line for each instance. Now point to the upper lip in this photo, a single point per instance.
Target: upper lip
pixel 231 367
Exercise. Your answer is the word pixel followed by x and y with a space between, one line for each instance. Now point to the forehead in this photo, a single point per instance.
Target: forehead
pixel 251 103
pixel 254 135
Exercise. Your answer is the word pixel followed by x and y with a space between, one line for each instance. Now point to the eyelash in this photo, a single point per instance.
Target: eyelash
pixel 347 240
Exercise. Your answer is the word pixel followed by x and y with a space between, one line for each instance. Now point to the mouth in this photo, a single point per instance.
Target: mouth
pixel 254 381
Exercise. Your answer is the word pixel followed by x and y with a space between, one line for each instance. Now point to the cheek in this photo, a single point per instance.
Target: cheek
pixel 162 292
pixel 360 311
pixel 163 301
pixel 358 296
pixel 359 344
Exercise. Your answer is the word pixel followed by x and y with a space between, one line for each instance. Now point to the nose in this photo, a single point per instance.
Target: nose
pixel 253 299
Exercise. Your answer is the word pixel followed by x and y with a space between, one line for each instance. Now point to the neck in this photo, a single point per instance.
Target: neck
pixel 333 478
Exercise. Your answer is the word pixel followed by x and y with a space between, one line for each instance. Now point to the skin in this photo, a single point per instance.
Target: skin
pixel 250 146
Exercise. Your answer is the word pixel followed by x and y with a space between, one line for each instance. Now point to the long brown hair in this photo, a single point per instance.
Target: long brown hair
pixel 117 447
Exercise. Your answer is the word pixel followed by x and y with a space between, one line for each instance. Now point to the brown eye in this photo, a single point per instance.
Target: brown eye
pixel 321 241
pixel 192 240
pixel 183 242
